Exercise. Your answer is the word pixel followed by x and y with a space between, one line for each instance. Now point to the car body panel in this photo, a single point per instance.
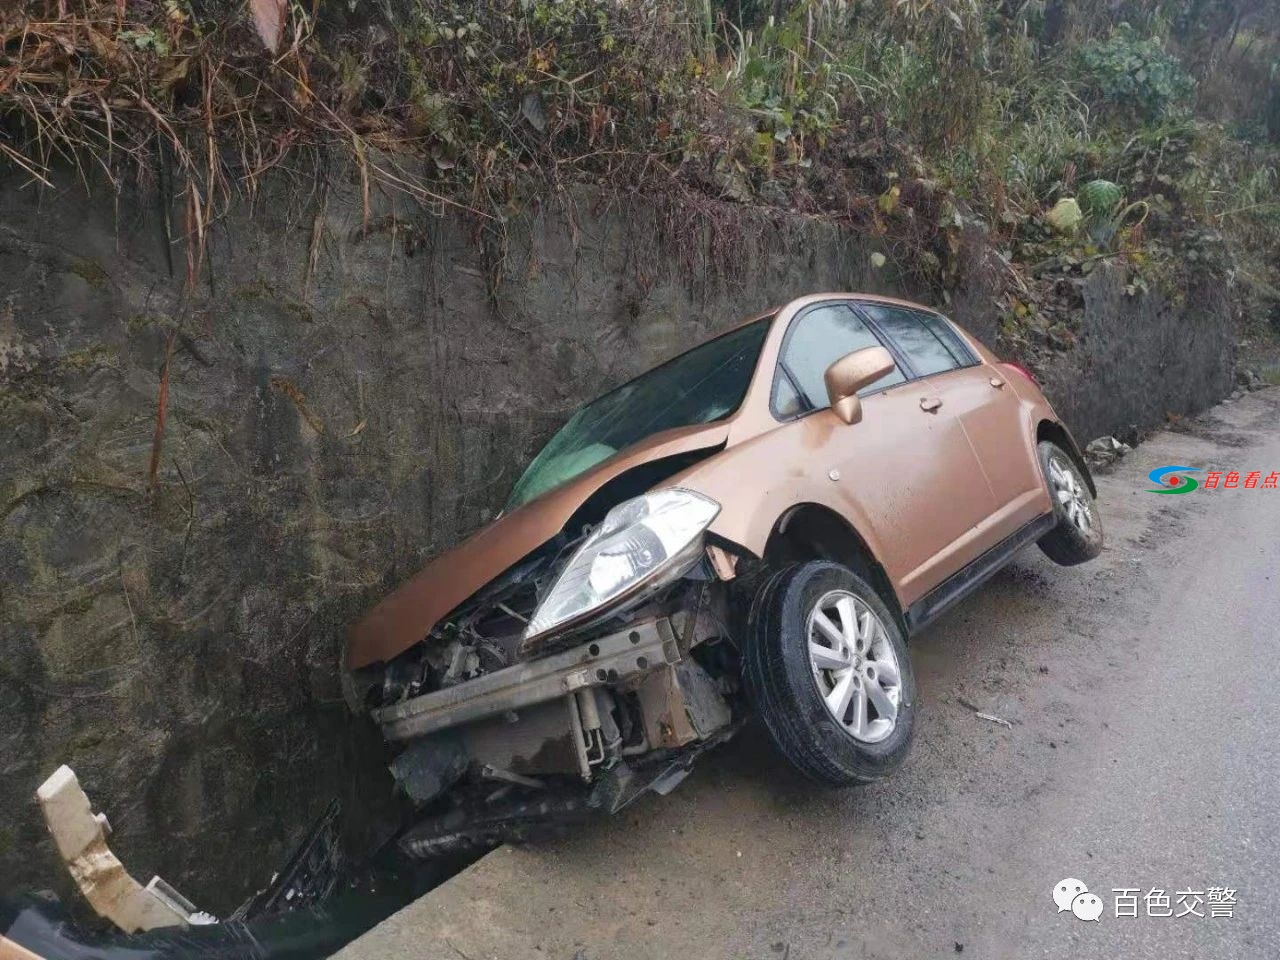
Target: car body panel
pixel 906 480
pixel 992 416
pixel 927 492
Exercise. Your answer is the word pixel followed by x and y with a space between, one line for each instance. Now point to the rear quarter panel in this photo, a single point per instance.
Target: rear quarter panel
pixel 1036 407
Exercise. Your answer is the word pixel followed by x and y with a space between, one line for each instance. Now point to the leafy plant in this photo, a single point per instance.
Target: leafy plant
pixel 148 39
pixel 1098 198
pixel 1135 76
pixel 790 89
pixel 1104 209
pixel 1066 216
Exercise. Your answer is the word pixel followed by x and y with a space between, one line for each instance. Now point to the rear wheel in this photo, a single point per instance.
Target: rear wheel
pixel 827 669
pixel 1078 535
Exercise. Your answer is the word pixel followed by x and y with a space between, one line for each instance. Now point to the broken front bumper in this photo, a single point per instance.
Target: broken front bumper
pixel 610 659
pixel 545 742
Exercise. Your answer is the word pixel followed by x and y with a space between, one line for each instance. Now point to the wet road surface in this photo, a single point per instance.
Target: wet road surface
pixel 1143 694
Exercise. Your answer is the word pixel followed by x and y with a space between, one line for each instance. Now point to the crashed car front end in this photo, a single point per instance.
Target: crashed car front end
pixel 593 670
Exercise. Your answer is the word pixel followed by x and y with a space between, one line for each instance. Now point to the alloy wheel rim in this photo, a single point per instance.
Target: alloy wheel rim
pixel 1070 493
pixel 854 666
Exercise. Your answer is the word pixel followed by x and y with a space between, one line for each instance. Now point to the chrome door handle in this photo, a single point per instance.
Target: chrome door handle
pixel 930 403
pixel 996 382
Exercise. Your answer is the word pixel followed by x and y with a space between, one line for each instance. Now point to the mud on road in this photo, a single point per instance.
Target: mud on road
pixel 1141 752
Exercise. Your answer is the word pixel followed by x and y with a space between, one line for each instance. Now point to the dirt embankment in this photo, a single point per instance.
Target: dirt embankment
pixel 346 397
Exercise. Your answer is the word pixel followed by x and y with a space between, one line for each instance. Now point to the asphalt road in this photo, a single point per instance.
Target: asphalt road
pixel 1143 697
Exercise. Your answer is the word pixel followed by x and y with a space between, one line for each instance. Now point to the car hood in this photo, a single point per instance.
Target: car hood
pixel 407 615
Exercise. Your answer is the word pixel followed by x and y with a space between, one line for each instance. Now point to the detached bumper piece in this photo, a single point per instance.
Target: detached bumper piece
pixel 81 838
pixel 318 902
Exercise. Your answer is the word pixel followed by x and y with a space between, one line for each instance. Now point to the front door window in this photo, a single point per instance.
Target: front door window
pixel 928 343
pixel 817 339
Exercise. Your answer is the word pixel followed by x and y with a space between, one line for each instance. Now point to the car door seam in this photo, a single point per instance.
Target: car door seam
pixel 981 466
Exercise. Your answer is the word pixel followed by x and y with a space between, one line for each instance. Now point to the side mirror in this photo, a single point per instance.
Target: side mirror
pixel 851 373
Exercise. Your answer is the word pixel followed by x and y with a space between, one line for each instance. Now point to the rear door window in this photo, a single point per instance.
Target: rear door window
pixel 925 339
pixel 817 339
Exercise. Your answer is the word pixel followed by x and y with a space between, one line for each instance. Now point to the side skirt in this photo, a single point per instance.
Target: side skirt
pixel 973 575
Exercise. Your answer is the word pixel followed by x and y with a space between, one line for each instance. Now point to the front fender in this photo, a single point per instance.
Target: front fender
pixel 758 482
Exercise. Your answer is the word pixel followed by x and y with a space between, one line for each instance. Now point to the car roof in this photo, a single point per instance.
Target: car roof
pixel 791 306
pixel 810 298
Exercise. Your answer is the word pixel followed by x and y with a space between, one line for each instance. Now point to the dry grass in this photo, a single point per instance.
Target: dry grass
pixel 895 119
pixel 141 90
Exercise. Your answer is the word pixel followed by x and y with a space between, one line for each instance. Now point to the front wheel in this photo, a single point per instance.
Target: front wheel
pixel 827 668
pixel 1078 534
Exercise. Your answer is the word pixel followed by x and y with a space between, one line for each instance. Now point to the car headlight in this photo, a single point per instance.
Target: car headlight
pixel 651 539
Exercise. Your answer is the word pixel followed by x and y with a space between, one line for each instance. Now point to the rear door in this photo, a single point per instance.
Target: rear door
pixel 988 409
pixel 907 475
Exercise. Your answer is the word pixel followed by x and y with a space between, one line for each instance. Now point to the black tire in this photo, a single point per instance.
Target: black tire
pixel 1072 541
pixel 781 684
